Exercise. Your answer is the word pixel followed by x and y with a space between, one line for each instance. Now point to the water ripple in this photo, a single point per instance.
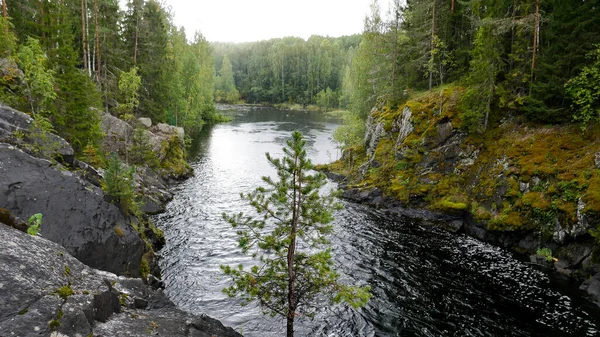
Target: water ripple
pixel 425 281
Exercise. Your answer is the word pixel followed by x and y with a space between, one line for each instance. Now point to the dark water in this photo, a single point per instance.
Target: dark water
pixel 425 282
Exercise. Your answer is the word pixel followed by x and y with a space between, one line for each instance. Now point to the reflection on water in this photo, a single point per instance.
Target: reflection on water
pixel 425 281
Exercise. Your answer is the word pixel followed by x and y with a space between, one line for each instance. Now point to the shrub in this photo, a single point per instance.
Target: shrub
pixel 35 221
pixel 119 184
pixel 545 253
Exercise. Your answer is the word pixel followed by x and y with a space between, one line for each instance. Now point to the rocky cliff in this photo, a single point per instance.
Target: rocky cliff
pixel 64 282
pixel 44 291
pixel 520 186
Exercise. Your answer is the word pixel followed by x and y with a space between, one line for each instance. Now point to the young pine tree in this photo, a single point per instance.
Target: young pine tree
pixel 296 268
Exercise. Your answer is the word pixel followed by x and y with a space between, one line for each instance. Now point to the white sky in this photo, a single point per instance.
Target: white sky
pixel 254 20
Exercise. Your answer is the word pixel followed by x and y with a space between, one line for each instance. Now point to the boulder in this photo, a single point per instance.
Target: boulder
pixel 119 134
pixel 145 122
pixel 76 214
pixel 592 287
pixel 52 145
pixel 165 131
pixel 47 292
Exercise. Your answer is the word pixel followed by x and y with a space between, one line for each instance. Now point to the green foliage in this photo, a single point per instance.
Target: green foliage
pixel 119 184
pixel 8 40
pixel 484 67
pixel 226 91
pixel 34 223
pixel 141 150
pixel 290 238
pixel 129 85
pixel 325 99
pixel 39 136
pixel 174 162
pixel 545 253
pixel 39 79
pixel 584 91
pixel 351 132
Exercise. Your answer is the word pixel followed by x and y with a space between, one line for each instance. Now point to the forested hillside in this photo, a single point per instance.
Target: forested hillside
pixel 519 58
pixel 488 111
pixel 81 56
pixel 289 70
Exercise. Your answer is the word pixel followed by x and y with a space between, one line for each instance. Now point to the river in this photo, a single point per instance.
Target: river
pixel 425 281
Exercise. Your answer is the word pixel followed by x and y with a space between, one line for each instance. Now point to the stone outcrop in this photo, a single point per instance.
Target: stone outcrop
pixel 521 187
pixel 158 140
pixel 44 291
pixel 76 214
pixel 48 145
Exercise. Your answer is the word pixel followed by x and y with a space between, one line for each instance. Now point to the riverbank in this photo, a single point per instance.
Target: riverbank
pixel 531 189
pixel 46 288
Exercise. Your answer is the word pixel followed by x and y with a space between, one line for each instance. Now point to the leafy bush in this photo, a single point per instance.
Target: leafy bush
pixel 584 91
pixel 119 184
pixel 35 221
pixel 545 253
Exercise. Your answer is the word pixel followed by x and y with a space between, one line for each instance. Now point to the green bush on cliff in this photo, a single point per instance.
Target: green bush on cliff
pixel 35 221
pixel 119 184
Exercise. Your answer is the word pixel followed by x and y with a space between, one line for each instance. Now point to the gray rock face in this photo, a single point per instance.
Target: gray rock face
pixel 76 214
pixel 592 288
pixel 145 122
pixel 44 291
pixel 119 134
pixel 403 126
pixel 12 120
pixel 164 131
pixel 8 67
pixel 374 132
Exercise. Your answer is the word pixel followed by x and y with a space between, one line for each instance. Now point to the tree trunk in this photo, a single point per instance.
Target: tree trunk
pixel 282 79
pixel 536 37
pixel 4 13
pixel 452 9
pixel 395 59
pixel 432 46
pixel 292 252
pixel 97 41
pixel 137 24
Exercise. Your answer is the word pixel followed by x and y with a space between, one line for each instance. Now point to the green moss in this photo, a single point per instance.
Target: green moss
pixel 123 299
pixel 24 311
pixel 54 324
pixel 510 221
pixel 144 265
pixel 67 271
pixel 64 292
pixel 536 200
pixel 175 161
pixel 448 206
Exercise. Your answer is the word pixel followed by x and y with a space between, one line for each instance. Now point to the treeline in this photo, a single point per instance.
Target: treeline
pixel 77 55
pixel 288 70
pixel 527 58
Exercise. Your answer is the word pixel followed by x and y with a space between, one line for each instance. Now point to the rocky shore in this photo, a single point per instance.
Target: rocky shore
pixel 81 275
pixel 526 188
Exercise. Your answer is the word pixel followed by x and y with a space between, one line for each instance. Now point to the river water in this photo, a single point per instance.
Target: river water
pixel 425 282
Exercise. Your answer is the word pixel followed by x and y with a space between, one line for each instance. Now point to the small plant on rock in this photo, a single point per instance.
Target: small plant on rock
pixel 545 253
pixel 119 184
pixel 35 222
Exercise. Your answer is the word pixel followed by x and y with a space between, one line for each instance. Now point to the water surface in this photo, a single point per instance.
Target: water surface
pixel 425 282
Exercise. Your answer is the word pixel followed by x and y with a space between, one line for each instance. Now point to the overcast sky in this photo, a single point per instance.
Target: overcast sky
pixel 253 20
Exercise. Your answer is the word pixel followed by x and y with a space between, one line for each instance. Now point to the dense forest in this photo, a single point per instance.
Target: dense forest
pixel 537 59
pixel 78 57
pixel 529 58
pixel 288 70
